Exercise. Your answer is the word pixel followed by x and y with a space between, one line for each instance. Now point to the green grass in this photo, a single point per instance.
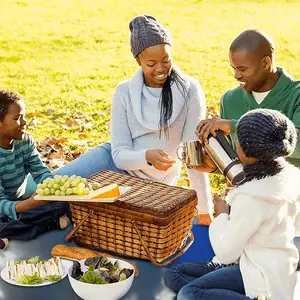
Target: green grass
pixel 69 55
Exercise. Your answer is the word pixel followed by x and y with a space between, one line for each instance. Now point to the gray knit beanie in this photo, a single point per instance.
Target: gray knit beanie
pixel 266 134
pixel 146 31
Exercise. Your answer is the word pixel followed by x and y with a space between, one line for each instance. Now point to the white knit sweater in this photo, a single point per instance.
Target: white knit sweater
pixel 259 233
pixel 135 129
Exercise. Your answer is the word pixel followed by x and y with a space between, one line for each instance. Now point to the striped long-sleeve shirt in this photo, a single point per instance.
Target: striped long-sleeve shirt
pixel 15 165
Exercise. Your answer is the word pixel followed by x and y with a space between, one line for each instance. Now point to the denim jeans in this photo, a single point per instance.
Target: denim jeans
pixel 33 222
pixel 207 281
pixel 94 161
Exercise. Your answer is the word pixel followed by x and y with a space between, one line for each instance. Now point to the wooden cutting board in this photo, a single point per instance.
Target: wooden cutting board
pixel 82 198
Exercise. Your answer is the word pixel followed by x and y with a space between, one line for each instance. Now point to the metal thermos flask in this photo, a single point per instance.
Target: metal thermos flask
pixel 226 159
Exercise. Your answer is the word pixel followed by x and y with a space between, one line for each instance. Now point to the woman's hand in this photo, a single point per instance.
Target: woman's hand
pixel 159 159
pixel 29 203
pixel 220 206
pixel 205 127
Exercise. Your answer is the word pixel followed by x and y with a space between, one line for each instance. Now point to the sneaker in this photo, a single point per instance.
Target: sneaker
pixel 3 244
pixel 64 222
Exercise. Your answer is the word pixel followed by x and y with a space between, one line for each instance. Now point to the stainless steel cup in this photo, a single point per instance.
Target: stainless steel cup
pixel 193 155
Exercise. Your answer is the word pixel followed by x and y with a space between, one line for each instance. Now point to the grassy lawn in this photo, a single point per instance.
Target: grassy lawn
pixel 66 56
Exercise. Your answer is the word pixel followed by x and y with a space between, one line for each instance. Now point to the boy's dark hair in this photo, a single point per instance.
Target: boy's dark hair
pixel 6 99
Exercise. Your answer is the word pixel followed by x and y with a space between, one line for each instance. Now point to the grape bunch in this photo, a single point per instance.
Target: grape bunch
pixel 64 186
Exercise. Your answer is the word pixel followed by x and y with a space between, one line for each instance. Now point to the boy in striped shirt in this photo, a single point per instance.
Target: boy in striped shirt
pixel 22 217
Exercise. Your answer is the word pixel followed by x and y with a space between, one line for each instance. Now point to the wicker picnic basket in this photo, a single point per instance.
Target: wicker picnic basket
pixel 150 221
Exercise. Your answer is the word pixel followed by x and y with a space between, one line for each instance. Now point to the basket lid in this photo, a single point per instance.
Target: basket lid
pixel 146 196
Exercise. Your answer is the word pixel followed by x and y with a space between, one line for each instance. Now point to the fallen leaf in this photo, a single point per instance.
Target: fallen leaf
pixel 33 114
pixel 55 163
pixel 88 125
pixel 70 123
pixel 78 115
pixel 83 136
pixel 50 111
pixel 34 121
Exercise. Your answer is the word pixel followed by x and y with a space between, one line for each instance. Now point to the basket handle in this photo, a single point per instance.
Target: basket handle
pixel 70 235
pixel 168 261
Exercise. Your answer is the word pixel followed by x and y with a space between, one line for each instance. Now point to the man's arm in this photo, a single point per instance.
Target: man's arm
pixel 296 121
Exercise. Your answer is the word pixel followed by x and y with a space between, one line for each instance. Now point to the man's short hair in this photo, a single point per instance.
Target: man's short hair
pixel 254 41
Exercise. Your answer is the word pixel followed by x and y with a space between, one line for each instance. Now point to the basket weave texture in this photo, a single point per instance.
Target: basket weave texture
pixel 151 214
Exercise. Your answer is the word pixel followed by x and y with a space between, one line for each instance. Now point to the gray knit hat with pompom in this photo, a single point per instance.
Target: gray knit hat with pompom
pixel 266 134
pixel 146 32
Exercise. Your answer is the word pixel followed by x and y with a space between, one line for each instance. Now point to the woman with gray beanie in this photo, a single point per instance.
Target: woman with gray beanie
pixel 152 114
pixel 252 235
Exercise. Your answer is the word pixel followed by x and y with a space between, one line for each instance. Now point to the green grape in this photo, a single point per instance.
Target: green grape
pixel 57 193
pixel 57 178
pixel 47 180
pixel 56 186
pixel 63 188
pixel 81 185
pixel 40 191
pixel 46 191
pixel 69 191
pixel 44 185
pixel 80 191
pixel 86 191
pixel 67 184
pixel 65 178
pixel 75 190
pixel 52 191
pixel 84 181
pixel 75 182
pixel 50 185
pixel 95 186
pixel 72 177
pixel 40 186
pixel 62 193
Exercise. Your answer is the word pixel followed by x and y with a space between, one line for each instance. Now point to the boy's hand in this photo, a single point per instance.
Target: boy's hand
pixel 205 127
pixel 159 159
pixel 30 203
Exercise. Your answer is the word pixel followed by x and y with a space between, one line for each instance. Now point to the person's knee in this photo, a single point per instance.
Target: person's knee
pixel 191 292
pixel 172 278
pixel 169 277
pixel 183 294
pixel 89 163
pixel 60 206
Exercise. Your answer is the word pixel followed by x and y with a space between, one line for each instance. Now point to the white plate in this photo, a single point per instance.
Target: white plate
pixel 85 198
pixel 65 267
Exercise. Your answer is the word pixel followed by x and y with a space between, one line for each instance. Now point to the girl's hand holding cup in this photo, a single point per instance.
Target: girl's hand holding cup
pixel 220 206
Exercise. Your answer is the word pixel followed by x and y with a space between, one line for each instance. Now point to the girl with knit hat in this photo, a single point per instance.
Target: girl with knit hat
pixel 152 114
pixel 252 235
